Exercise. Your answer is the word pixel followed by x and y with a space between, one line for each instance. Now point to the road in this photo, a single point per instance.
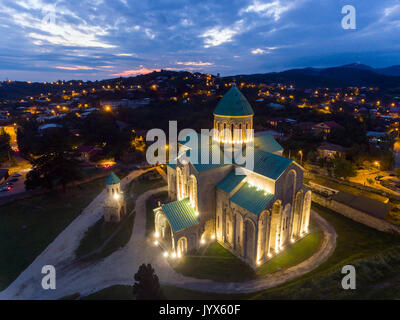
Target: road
pixel 19 186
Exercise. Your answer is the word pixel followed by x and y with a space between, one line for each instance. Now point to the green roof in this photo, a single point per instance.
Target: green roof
pixel 180 214
pixel 233 103
pixel 267 143
pixel 229 183
pixel 251 198
pixel 265 162
pixel 270 165
pixel 112 179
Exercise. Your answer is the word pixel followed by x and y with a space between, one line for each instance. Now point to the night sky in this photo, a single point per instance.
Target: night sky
pixel 97 39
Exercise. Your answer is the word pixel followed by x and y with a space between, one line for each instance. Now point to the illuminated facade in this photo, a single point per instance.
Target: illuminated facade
pixel 114 202
pixel 255 214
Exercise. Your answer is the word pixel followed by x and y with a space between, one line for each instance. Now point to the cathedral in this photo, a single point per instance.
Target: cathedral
pixel 255 214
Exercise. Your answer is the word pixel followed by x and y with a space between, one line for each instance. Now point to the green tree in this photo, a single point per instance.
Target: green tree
pixel 343 168
pixel 147 285
pixel 5 149
pixel 51 170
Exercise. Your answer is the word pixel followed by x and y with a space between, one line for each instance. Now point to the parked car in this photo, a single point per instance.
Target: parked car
pixel 16 175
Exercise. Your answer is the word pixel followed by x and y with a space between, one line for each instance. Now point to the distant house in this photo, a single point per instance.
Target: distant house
pixel 276 106
pixel 326 127
pixel 87 152
pixel 330 150
pixel 376 136
pixel 3 175
pixel 49 126
pixel 275 122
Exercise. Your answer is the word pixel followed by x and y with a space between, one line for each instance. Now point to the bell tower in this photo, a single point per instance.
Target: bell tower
pixel 114 202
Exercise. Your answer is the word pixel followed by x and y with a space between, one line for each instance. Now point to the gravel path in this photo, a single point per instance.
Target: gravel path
pixel 120 267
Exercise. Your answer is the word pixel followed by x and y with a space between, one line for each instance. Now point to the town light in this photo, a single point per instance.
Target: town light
pixel 156 234
pixel 165 254
pixel 292 240
pixel 269 255
pixel 156 243
pixel 202 241
pixel 116 196
pixel 213 236
pixel 173 255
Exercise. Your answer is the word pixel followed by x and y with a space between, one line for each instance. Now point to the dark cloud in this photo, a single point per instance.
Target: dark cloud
pixel 47 40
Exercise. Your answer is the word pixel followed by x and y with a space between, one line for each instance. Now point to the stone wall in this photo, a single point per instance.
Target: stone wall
pixel 356 215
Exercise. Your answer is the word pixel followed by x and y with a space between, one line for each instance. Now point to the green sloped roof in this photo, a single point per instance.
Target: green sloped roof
pixel 267 143
pixel 251 198
pixel 270 165
pixel 265 163
pixel 112 179
pixel 180 214
pixel 233 103
pixel 205 151
pixel 229 183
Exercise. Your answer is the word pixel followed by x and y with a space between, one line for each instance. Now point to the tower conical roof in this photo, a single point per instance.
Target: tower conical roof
pixel 233 103
pixel 112 179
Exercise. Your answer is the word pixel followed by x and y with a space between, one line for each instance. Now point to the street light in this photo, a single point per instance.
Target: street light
pixel 301 157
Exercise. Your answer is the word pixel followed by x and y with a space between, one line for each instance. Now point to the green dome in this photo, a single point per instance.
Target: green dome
pixel 233 103
pixel 112 179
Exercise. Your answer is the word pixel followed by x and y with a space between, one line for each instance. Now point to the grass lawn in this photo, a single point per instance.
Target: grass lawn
pixel 141 184
pixel 375 254
pixel 97 234
pixel 28 226
pixel 215 263
pixel 218 264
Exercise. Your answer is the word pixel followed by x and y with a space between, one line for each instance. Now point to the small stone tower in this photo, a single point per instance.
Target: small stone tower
pixel 114 202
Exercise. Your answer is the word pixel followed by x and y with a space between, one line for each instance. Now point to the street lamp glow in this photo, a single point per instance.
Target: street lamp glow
pixel 165 254
pixel 116 196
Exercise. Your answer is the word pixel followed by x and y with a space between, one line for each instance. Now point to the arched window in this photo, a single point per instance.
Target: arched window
pixel 179 183
pixel 193 192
